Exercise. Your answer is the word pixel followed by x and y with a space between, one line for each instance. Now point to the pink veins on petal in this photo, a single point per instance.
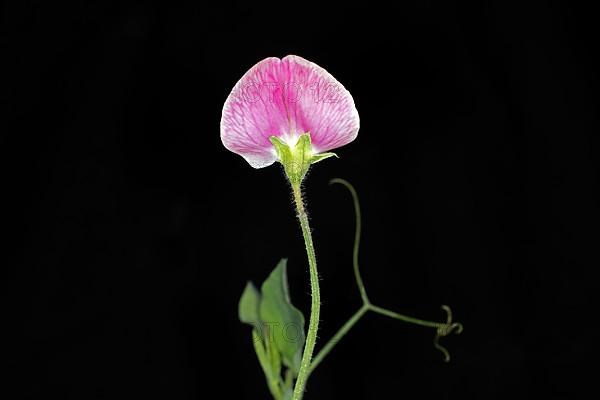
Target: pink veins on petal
pixel 286 98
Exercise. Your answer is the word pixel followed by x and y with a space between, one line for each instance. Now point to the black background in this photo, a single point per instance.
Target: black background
pixel 133 230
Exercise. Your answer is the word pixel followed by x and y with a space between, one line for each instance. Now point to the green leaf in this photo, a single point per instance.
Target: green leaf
pixel 248 308
pixel 284 321
pixel 265 363
pixel 322 156
pixel 274 356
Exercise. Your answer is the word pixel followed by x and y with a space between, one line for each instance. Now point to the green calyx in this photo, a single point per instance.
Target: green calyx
pixel 297 160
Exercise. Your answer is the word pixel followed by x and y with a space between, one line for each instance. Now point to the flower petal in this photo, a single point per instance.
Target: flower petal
pixel 286 98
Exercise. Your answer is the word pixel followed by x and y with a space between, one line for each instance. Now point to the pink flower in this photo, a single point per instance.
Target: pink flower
pixel 286 98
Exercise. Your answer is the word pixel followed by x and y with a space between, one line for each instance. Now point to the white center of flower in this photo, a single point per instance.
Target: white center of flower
pixel 290 139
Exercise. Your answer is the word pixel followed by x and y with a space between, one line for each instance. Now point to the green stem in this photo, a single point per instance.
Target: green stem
pixel 356 317
pixel 443 328
pixel 313 325
pixel 357 233
pixel 338 336
pixel 406 318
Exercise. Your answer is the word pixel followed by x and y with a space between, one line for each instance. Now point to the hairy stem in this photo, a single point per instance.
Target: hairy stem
pixel 313 325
